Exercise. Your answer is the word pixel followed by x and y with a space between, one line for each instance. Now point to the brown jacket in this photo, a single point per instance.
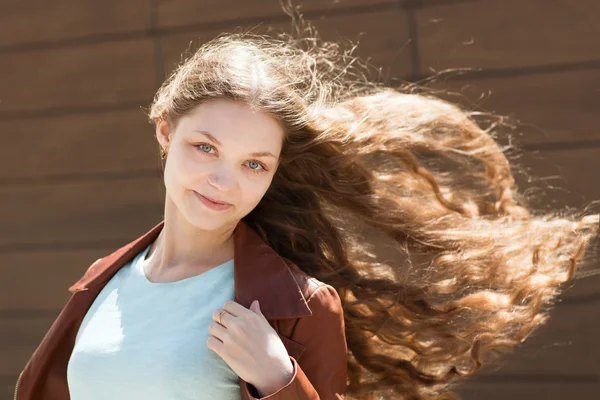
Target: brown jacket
pixel 306 313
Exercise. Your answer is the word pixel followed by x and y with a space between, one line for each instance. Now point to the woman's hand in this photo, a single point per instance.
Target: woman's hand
pixel 251 347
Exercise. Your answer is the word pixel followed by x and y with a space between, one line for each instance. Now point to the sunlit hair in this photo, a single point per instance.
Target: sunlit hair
pixel 400 200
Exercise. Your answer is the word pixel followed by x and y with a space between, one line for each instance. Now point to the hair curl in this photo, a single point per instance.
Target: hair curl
pixel 398 199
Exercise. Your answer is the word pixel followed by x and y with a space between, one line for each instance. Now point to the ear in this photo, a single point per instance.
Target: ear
pixel 163 133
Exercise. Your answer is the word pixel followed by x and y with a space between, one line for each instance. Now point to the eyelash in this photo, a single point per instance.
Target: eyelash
pixel 254 171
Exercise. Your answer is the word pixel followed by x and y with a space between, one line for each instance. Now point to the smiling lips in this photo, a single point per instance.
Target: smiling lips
pixel 212 204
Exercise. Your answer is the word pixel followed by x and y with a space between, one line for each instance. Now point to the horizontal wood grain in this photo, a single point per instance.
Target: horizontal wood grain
pixel 80 211
pixel 20 338
pixel 92 75
pixel 553 390
pixel 498 34
pixel 565 345
pixel 87 143
pixel 7 386
pixel 39 280
pixel 551 107
pixel 45 21
pixel 176 13
pixel 529 391
pixel 384 39
pixel 547 389
pixel 552 180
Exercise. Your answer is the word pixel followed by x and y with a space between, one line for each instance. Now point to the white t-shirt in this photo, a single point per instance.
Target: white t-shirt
pixel 144 340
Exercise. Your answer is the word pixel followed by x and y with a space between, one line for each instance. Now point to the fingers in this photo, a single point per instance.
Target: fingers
pixel 217 330
pixel 222 319
pixel 235 309
pixel 231 310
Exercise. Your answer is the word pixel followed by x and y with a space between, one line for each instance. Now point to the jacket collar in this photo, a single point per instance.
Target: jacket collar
pixel 259 273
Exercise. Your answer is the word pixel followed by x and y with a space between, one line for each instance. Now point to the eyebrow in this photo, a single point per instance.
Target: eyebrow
pixel 215 140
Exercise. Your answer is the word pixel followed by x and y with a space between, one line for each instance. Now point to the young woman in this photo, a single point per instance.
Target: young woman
pixel 286 175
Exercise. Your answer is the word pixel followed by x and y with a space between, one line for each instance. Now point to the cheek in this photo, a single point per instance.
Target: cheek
pixel 183 168
pixel 170 181
pixel 253 191
pixel 175 176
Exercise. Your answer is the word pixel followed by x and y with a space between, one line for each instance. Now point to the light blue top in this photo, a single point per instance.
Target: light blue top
pixel 144 340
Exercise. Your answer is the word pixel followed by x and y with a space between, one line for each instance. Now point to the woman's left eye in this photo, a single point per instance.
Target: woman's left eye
pixel 255 166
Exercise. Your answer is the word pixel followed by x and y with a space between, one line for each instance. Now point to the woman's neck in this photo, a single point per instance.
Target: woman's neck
pixel 183 247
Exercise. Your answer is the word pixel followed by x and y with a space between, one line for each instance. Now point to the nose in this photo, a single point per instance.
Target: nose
pixel 222 178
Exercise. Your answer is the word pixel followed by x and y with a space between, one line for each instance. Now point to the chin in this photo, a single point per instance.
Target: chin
pixel 210 221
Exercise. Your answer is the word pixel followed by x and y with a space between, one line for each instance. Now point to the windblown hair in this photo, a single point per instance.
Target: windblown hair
pixel 400 200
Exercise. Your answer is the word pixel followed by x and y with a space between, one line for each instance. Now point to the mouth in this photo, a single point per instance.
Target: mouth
pixel 215 201
pixel 212 203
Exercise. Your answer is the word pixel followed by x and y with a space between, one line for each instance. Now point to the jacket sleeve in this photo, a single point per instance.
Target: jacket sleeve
pixel 321 372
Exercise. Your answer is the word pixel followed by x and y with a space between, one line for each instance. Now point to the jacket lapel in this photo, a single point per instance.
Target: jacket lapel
pixel 259 273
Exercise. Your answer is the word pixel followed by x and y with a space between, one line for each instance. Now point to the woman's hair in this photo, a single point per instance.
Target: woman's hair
pixel 400 200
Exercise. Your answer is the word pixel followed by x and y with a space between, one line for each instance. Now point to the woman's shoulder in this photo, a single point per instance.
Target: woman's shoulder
pixel 307 283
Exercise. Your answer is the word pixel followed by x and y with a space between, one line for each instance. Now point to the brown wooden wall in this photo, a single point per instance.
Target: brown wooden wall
pixel 79 171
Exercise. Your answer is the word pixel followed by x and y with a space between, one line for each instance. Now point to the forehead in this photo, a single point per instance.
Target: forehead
pixel 225 118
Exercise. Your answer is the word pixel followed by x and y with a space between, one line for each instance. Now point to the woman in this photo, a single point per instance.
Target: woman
pixel 286 177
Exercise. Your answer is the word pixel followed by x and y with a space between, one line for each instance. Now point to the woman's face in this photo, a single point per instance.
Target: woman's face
pixel 222 150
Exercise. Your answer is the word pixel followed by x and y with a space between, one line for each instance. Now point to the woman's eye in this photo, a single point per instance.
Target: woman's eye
pixel 254 165
pixel 257 167
pixel 205 147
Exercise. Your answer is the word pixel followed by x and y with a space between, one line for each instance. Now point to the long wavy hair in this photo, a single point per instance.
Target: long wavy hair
pixel 402 201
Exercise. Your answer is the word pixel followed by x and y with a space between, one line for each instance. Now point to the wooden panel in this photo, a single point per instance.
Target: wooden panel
pixel 547 389
pixel 7 386
pixel 20 337
pixel 553 107
pixel 565 176
pixel 80 76
pixel 191 12
pixel 51 21
pixel 93 143
pixel 584 288
pixel 80 211
pixel 496 34
pixel 526 391
pixel 385 39
pixel 39 280
pixel 565 345
pixel 35 21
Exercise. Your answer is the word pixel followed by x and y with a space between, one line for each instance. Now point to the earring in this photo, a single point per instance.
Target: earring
pixel 163 154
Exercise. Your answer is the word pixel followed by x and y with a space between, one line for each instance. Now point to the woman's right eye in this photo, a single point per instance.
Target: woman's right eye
pixel 205 147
